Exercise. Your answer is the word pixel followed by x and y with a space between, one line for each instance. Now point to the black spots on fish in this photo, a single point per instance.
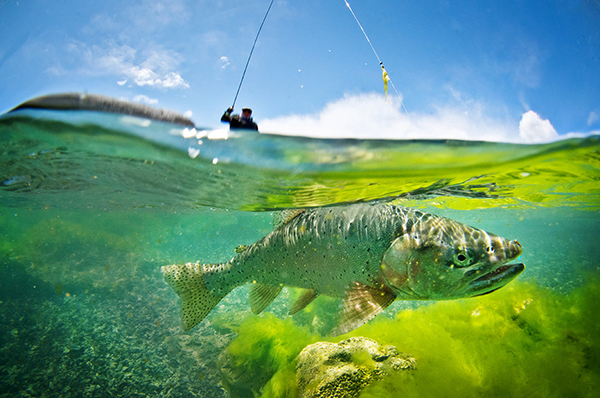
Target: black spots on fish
pixel 219 291
pixel 350 226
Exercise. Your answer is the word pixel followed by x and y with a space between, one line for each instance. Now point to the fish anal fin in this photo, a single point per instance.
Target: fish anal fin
pixel 305 299
pixel 284 216
pixel 187 280
pixel 361 304
pixel 262 295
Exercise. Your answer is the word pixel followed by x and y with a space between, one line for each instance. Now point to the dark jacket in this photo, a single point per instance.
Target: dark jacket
pixel 238 122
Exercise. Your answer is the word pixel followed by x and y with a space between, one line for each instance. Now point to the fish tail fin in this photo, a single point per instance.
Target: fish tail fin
pixel 187 280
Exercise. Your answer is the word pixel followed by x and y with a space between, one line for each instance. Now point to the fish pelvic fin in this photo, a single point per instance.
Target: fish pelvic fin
pixel 262 295
pixel 361 304
pixel 187 280
pixel 305 299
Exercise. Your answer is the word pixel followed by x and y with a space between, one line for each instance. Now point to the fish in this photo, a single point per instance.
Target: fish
pixel 367 254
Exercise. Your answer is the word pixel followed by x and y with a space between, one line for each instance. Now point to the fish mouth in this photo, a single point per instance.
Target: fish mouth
pixel 495 279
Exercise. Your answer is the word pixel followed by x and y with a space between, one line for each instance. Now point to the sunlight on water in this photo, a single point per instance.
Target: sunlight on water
pixel 92 205
pixel 119 164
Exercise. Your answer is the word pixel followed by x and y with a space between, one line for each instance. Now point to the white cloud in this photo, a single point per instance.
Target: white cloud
pixel 145 16
pixel 369 116
pixel 224 62
pixel 592 118
pixel 533 128
pixel 152 15
pixel 174 80
pixel 152 67
pixel 142 76
pixel 145 99
pixel 527 69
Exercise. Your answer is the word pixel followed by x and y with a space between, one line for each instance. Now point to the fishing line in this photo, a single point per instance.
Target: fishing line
pixel 375 52
pixel 364 33
pixel 251 51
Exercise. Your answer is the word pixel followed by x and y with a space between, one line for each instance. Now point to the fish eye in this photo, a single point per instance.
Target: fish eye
pixel 462 259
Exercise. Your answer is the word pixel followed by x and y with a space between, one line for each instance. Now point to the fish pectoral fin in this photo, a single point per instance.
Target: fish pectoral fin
pixel 305 299
pixel 262 295
pixel 285 216
pixel 361 304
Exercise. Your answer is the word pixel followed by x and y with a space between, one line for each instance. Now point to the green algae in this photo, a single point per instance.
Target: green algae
pixel 263 353
pixel 319 316
pixel 523 340
pixel 520 341
pixel 80 328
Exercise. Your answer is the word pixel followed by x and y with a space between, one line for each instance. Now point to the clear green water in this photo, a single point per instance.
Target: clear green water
pixel 91 205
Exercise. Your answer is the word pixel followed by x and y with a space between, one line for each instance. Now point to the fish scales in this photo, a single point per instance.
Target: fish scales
pixel 368 254
pixel 322 249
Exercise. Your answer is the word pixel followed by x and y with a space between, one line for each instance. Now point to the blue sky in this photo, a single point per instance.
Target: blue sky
pixel 500 70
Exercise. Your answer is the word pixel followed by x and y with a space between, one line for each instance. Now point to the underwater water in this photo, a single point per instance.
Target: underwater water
pixel 92 205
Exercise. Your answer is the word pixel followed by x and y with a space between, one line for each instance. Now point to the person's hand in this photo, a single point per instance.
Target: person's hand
pixel 230 109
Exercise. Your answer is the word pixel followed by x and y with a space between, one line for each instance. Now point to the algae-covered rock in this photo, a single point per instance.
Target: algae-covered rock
pixel 262 356
pixel 342 370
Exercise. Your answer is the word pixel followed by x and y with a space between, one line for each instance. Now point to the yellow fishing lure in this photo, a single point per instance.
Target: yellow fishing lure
pixel 386 79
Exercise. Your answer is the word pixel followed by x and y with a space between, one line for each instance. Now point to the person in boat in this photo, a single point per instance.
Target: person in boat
pixel 243 121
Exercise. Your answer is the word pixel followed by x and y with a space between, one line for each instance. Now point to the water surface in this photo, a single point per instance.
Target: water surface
pixel 92 204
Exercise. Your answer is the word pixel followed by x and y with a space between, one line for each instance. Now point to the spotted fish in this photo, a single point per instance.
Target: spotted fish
pixel 367 254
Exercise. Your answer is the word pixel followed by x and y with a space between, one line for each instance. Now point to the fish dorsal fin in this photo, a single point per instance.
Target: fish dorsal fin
pixel 262 295
pixel 305 299
pixel 284 216
pixel 361 304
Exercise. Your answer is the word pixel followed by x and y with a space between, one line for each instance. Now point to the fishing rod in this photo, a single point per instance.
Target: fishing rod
pixel 251 51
